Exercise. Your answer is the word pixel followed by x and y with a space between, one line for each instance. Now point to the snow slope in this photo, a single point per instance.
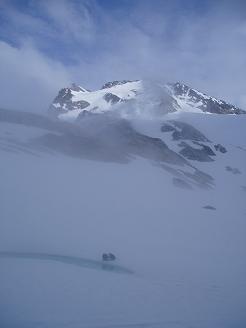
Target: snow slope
pixel 187 261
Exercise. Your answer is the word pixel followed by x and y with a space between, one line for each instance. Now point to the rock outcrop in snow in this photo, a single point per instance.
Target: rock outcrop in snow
pixel 191 98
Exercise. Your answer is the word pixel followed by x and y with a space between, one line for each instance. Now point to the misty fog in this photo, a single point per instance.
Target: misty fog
pixel 159 186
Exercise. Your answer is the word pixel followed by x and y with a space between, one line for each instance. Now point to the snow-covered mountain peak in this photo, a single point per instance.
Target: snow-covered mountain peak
pixel 137 97
pixel 190 99
pixel 114 83
pixel 78 88
pixel 73 101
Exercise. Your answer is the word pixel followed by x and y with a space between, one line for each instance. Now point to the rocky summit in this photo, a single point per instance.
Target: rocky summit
pixel 142 98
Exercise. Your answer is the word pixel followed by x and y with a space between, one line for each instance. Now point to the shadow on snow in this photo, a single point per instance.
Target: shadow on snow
pixel 72 260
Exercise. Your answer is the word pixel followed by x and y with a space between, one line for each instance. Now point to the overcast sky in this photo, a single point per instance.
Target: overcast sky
pixel 46 45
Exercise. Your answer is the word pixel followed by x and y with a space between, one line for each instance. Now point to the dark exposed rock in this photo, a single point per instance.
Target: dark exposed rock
pixel 183 131
pixel 212 106
pixel 209 207
pixel 201 155
pixel 167 128
pixel 220 148
pixel 186 131
pixel 81 104
pixel 206 148
pixel 63 102
pixel 110 97
pixel 63 96
pixel 77 88
pixel 233 170
pixel 206 103
pixel 179 89
pixel 113 83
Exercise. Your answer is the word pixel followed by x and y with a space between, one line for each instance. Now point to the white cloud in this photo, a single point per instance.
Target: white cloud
pixel 29 80
pixel 70 20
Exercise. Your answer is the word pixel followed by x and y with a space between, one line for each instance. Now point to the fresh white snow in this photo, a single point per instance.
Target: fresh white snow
pixel 188 262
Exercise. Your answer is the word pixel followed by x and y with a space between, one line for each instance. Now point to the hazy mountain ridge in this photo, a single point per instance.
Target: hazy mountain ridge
pixel 118 104
pixel 164 98
pixel 102 138
pixel 176 146
pixel 187 96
